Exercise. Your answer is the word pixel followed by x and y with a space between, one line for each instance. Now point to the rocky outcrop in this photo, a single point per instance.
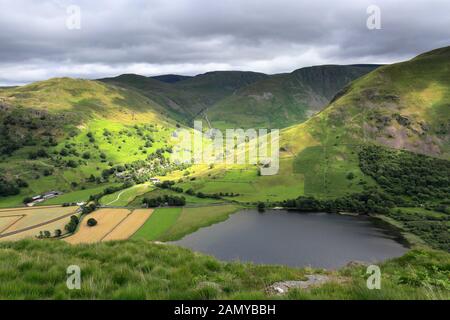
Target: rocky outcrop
pixel 314 280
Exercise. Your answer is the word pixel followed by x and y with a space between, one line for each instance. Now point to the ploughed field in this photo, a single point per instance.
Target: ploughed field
pixel 112 224
pixel 21 223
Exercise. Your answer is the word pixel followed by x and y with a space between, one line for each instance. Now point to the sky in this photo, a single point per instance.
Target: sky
pixel 89 39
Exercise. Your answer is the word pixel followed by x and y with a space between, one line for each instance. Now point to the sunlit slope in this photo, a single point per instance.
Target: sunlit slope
pixel 403 106
pixel 82 100
pixel 62 134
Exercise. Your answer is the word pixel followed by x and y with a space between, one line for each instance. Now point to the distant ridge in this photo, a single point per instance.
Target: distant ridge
pixel 171 78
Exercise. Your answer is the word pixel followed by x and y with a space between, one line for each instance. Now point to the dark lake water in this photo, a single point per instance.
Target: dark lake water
pixel 296 239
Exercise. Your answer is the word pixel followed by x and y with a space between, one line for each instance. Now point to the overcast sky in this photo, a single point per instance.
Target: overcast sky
pixel 188 37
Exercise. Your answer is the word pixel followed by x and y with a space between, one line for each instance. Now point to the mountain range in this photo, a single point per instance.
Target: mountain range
pixel 246 99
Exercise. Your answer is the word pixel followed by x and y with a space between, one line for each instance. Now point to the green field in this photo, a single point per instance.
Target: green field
pixel 326 169
pixel 158 223
pixel 78 196
pixel 125 197
pixel 192 219
pixel 169 224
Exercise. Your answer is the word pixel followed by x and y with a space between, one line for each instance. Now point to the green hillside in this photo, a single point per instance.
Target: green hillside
pixel 75 135
pixel 380 147
pixel 181 105
pixel 186 99
pixel 403 106
pixel 281 100
pixel 245 99
pixel 216 85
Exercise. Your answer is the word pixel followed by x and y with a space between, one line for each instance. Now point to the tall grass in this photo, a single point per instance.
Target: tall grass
pixel 33 269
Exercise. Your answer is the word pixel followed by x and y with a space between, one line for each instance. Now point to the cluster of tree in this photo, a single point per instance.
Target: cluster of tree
pixel 368 201
pixel 67 150
pixel 440 207
pixel 154 166
pixel 90 137
pixel 431 227
pixel 168 184
pixel 40 153
pixel 416 176
pixel 218 195
pixel 164 200
pixel 44 234
pixel 202 195
pixel 27 122
pixel 74 220
pixel 89 208
pixel 47 234
pixel 433 232
pixel 417 216
pixel 11 187
pixel 72 225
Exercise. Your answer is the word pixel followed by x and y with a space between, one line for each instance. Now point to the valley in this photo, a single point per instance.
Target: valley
pixel 368 140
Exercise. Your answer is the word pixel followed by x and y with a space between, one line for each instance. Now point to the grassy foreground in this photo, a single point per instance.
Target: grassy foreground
pixel 142 270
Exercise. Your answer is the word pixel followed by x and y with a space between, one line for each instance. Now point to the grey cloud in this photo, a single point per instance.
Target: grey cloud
pixel 190 36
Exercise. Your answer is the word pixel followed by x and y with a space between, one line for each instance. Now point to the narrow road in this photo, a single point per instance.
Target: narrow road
pixel 120 194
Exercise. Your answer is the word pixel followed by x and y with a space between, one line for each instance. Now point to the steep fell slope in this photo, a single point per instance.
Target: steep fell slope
pixel 404 106
pixel 186 99
pixel 284 99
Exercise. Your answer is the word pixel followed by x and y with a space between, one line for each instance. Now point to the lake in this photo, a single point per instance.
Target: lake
pixel 318 240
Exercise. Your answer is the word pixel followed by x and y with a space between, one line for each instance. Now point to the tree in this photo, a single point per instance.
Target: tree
pixel 261 206
pixel 86 155
pixel 41 153
pixel 91 222
pixel 72 225
pixel 72 164
pixel 8 188
pixel 27 200
pixel 58 233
